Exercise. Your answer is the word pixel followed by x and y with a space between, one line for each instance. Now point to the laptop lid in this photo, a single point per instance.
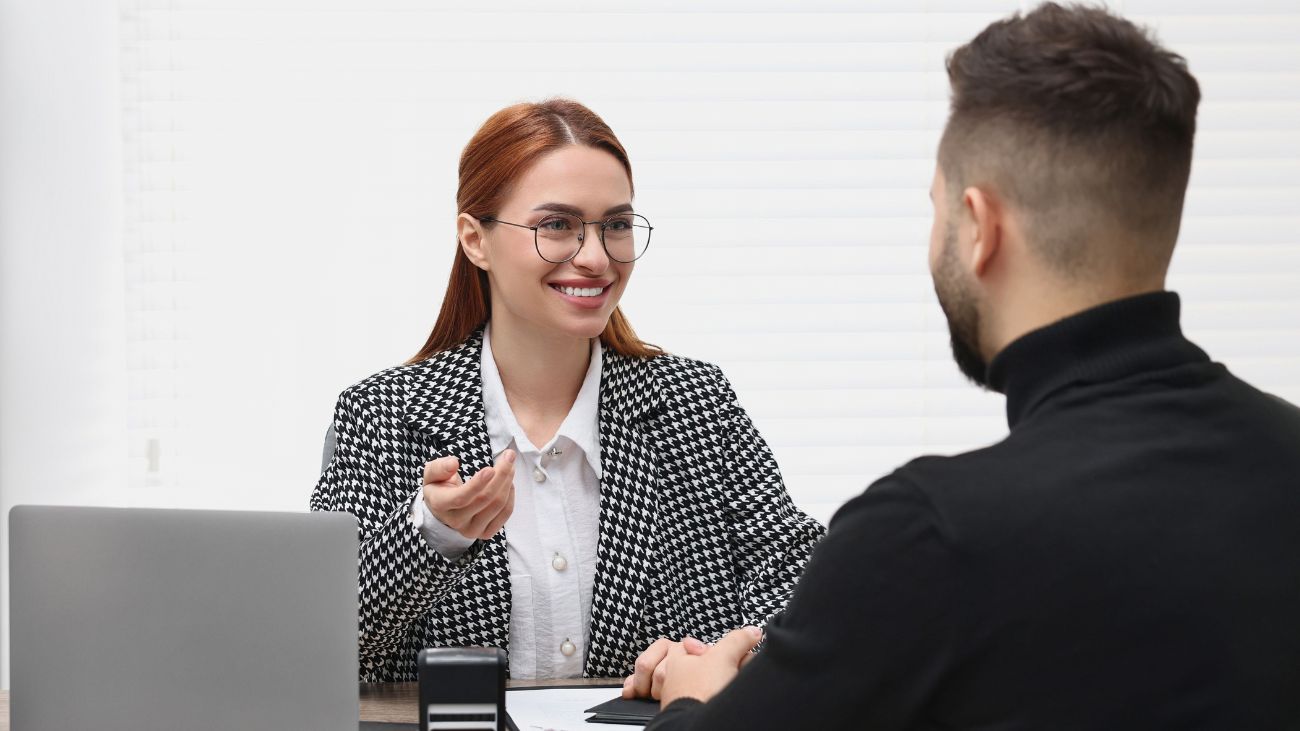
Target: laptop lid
pixel 136 619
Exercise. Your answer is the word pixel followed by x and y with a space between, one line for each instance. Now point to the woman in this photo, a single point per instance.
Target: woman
pixel 537 478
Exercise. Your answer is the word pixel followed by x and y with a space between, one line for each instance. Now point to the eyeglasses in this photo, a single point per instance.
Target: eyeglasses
pixel 560 236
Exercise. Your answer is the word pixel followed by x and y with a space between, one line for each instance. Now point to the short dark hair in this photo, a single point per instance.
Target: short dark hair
pixel 1082 120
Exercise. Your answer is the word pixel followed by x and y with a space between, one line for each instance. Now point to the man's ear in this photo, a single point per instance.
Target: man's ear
pixel 982 214
pixel 469 232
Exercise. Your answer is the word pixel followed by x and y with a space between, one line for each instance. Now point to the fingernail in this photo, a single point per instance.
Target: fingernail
pixel 755 631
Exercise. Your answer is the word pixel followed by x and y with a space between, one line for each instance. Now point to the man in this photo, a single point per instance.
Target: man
pixel 1129 556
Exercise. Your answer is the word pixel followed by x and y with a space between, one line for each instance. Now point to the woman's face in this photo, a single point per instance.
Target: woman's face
pixel 577 297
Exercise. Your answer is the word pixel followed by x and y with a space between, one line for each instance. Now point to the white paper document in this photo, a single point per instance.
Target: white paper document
pixel 559 709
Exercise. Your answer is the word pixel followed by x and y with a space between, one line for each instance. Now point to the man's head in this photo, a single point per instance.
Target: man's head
pixel 1061 173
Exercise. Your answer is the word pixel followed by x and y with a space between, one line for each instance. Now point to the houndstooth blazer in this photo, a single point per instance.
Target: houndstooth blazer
pixel 697 533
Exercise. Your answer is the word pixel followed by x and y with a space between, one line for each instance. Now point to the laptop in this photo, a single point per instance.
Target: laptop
pixel 138 619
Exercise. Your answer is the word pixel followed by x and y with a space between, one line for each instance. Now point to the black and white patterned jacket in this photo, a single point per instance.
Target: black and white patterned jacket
pixel 697 533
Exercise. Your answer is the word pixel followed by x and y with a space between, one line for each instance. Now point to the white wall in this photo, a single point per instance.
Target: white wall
pixel 214 216
pixel 62 344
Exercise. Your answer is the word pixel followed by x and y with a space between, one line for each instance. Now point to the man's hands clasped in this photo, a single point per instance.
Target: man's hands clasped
pixel 670 670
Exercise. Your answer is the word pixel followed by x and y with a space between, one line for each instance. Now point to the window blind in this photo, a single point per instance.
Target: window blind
pixel 289 199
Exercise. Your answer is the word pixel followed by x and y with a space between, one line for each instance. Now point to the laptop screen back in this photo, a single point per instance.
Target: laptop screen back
pixel 134 619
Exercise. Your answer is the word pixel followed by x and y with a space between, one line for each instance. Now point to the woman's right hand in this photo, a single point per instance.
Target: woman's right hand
pixel 476 509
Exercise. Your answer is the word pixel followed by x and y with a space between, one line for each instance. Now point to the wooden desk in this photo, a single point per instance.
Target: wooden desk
pixel 399 702
pixel 394 702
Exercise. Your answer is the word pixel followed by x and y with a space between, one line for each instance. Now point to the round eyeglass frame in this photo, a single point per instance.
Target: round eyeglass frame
pixel 582 238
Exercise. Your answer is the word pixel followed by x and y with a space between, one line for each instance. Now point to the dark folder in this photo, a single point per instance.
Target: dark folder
pixel 636 712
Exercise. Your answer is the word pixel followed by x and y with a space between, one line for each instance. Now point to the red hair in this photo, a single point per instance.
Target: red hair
pixel 506 146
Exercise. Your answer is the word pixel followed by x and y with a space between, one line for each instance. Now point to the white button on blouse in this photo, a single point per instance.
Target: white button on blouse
pixel 554 526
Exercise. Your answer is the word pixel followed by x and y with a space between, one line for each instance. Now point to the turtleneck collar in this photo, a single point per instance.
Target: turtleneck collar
pixel 1104 343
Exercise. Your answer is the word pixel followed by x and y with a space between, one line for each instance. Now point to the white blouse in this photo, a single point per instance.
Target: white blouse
pixel 551 534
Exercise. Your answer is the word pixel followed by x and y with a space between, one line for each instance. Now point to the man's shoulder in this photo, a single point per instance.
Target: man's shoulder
pixel 1269 406
pixel 944 476
pixel 965 494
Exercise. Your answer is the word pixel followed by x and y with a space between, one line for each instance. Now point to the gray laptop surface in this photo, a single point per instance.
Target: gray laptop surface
pixel 132 619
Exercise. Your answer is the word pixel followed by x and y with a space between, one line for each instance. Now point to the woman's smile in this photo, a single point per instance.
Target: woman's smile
pixel 585 294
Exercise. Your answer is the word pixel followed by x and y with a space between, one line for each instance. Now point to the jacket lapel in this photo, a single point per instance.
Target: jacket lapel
pixel 446 402
pixel 628 513
pixel 446 405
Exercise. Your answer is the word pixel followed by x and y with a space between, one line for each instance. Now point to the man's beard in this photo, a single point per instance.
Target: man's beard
pixel 959 307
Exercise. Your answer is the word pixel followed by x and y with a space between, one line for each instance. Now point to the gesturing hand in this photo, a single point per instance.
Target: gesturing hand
pixel 474 509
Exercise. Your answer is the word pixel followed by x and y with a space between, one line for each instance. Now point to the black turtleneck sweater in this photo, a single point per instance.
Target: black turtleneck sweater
pixel 1127 558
